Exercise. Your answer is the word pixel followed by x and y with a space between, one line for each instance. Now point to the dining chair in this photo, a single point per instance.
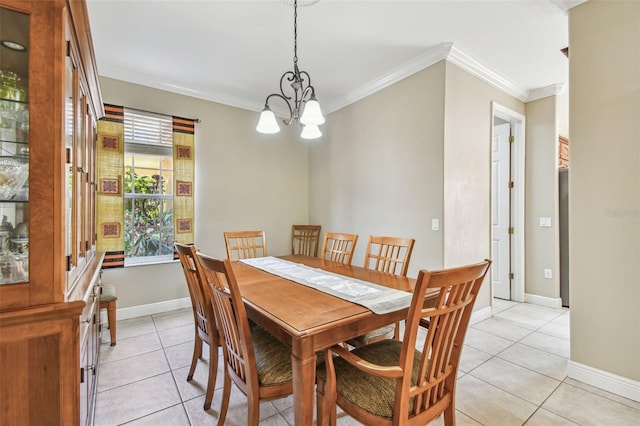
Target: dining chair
pixel 245 244
pixel 258 363
pixel 390 255
pixel 203 317
pixel 414 379
pixel 305 239
pixel 338 247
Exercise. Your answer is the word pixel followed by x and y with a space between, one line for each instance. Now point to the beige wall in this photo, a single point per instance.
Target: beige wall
pixel 244 180
pixel 541 199
pixel 387 165
pixel 379 171
pixel 467 169
pixel 604 186
pixel 415 151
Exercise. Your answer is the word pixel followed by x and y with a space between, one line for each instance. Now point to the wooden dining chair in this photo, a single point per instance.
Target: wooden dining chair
pixel 390 255
pixel 258 363
pixel 413 381
pixel 245 244
pixel 203 318
pixel 338 247
pixel 305 239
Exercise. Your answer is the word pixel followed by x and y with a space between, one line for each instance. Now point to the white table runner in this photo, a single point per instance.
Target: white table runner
pixel 379 299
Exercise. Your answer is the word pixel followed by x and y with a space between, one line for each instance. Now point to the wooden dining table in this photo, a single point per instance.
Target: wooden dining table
pixel 309 320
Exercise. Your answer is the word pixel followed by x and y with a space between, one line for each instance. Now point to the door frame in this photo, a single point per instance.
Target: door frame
pixel 517 122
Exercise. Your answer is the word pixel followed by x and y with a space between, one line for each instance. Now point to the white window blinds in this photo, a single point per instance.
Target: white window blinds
pixel 147 128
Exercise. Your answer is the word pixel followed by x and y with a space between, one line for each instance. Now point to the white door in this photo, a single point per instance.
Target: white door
pixel 500 210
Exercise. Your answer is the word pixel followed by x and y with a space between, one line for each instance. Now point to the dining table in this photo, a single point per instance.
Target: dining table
pixel 309 320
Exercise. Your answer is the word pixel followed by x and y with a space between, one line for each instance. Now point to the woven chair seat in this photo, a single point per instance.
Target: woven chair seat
pixel 273 358
pixel 357 387
pixel 108 293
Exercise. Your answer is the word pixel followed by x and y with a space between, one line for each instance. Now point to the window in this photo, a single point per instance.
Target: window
pixel 148 188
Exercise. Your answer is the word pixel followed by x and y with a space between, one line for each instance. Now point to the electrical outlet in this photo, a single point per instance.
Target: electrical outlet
pixel 548 274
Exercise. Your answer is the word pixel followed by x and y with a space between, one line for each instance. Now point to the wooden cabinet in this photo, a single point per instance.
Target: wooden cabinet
pixel 563 152
pixel 49 268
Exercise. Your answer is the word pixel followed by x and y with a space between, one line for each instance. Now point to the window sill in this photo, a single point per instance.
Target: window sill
pixel 159 260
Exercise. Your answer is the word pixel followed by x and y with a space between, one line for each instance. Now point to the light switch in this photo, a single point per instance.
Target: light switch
pixel 548 274
pixel 545 222
pixel 435 224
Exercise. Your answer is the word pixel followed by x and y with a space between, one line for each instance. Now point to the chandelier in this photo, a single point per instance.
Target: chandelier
pixel 299 96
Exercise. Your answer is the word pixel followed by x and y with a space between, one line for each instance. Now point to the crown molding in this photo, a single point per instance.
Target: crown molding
pixel 452 54
pixel 473 66
pixel 419 63
pixel 156 82
pixel 565 5
pixel 543 92
pixel 446 51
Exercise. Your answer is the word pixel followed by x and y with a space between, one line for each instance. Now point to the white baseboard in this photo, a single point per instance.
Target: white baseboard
pixel 149 309
pixel 170 305
pixel 480 315
pixel 547 302
pixel 604 380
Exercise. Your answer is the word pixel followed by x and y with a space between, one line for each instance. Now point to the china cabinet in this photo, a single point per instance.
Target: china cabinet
pixel 563 152
pixel 49 269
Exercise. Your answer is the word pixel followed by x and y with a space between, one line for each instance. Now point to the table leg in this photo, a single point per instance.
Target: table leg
pixel 303 362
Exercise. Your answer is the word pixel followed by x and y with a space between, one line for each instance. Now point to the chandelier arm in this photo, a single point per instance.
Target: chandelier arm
pixel 277 95
pixel 290 76
pixel 308 80
pixel 309 90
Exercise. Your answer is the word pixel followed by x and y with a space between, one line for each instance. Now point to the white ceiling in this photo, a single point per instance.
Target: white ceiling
pixel 235 51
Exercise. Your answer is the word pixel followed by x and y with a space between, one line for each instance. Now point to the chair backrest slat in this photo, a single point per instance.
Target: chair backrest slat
pixel 338 247
pixel 305 239
pixel 202 308
pixel 389 254
pixel 245 244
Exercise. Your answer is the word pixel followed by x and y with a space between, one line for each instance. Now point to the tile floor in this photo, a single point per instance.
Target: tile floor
pixel 512 372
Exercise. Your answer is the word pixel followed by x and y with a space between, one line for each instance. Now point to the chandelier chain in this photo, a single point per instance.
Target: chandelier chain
pixel 295 32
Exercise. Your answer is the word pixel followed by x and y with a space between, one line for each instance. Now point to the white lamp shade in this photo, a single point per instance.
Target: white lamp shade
pixel 312 114
pixel 310 132
pixel 268 123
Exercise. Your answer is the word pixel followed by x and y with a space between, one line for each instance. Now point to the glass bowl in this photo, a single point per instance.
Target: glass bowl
pixel 13 175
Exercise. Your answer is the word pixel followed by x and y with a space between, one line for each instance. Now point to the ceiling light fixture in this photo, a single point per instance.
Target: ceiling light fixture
pixel 13 45
pixel 302 98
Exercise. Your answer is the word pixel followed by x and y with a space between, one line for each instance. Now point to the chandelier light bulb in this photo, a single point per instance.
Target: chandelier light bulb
pixel 310 131
pixel 312 114
pixel 267 123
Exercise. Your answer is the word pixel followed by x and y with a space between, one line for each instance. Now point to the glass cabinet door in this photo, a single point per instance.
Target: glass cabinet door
pixel 14 147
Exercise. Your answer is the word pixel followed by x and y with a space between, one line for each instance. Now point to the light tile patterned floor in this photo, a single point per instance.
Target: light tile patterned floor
pixel 512 372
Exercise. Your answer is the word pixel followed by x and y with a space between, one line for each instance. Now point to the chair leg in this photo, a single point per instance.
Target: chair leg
pixel 450 415
pixel 253 402
pixel 111 318
pixel 213 372
pixel 226 393
pixel 323 415
pixel 197 352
